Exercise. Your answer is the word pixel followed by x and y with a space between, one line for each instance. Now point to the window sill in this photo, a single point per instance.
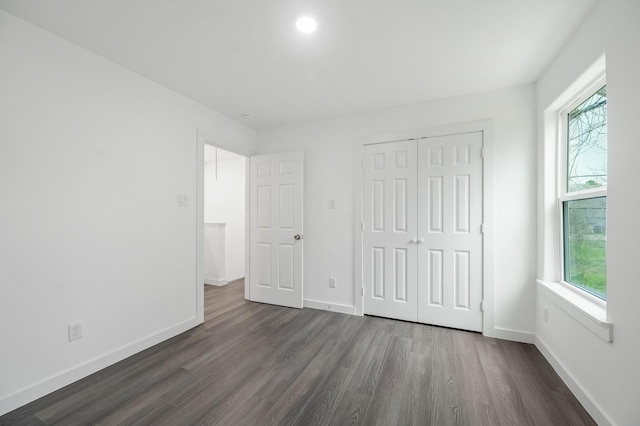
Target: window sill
pixel 592 315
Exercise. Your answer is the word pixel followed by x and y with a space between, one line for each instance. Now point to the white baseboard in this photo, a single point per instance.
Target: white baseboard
pixel 217 282
pixel 513 335
pixel 326 306
pixel 60 380
pixel 587 401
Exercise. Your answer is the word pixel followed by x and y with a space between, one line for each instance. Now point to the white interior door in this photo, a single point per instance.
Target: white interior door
pixel 450 220
pixel 276 229
pixel 390 230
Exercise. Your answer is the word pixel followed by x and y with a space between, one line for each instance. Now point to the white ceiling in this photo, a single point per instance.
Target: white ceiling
pixel 246 57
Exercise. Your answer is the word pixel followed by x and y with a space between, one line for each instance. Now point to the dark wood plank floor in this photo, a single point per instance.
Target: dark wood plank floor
pixel 255 364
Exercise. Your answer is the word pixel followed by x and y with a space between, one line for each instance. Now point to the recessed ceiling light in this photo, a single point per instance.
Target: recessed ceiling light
pixel 306 24
pixel 247 116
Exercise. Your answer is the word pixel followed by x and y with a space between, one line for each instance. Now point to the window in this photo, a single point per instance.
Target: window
pixel 583 192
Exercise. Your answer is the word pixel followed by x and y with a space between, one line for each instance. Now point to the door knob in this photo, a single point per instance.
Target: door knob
pixel 297 237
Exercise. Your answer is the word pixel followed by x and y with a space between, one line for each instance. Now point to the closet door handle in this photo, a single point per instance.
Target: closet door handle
pixel 420 240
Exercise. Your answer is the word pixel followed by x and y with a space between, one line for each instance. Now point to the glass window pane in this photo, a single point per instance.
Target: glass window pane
pixel 587 144
pixel 585 244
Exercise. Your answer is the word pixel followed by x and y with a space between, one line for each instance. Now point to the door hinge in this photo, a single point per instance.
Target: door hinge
pixel 482 228
pixel 362 164
pixel 482 152
pixel 482 306
pixel 362 288
pixel 362 226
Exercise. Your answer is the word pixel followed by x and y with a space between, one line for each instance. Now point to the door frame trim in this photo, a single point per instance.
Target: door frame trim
pixel 488 207
pixel 204 137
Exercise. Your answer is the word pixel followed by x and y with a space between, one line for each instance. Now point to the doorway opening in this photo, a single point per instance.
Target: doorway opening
pixel 224 216
pixel 271 187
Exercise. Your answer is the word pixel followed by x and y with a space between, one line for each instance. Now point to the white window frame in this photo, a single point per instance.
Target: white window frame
pixel 586 309
pixel 562 176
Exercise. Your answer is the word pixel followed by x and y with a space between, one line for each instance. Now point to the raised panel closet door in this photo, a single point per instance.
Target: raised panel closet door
pixel 450 219
pixel 390 230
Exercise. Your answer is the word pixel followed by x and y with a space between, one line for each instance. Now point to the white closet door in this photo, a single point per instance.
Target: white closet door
pixel 450 220
pixel 276 229
pixel 390 231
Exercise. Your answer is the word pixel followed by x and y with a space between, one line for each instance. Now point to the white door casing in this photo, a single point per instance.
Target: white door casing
pixel 390 230
pixel 277 229
pixel 450 221
pixel 430 268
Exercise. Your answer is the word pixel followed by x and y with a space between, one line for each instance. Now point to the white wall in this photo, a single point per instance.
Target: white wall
pixel 606 376
pixel 329 174
pixel 224 202
pixel 92 157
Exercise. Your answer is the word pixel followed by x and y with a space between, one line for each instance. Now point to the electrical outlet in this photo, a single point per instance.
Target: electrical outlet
pixel 75 331
pixel 332 282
